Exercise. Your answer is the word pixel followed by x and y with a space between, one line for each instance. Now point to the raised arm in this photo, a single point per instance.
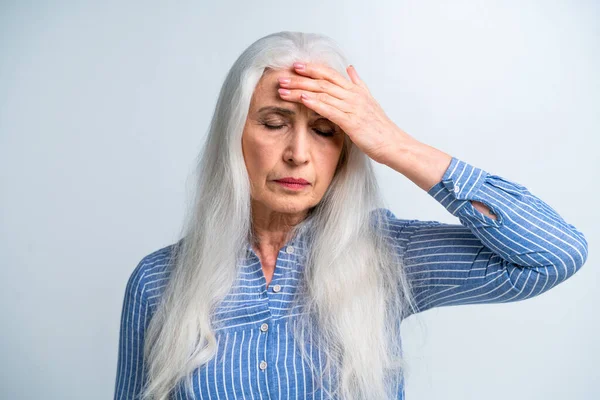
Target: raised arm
pixel 524 251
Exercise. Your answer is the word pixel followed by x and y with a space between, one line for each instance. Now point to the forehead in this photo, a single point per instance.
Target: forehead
pixel 266 96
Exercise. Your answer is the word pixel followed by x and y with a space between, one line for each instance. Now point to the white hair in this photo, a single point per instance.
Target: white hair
pixel 354 288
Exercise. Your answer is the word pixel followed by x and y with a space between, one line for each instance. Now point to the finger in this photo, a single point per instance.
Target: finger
pixel 330 112
pixel 320 71
pixel 315 85
pixel 354 77
pixel 295 95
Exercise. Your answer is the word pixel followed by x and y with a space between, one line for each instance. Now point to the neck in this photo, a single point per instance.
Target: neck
pixel 271 228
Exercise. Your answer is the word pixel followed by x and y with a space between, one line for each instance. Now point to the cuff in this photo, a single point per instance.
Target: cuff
pixel 461 183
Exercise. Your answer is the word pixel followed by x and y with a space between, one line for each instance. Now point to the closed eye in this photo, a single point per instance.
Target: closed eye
pixel 322 133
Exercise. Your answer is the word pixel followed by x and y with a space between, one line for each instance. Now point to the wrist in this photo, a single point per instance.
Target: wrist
pixel 423 164
pixel 402 147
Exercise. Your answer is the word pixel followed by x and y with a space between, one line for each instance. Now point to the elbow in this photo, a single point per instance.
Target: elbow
pixel 574 254
pixel 582 250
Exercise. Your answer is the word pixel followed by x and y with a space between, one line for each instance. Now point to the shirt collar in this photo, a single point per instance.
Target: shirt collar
pixel 298 241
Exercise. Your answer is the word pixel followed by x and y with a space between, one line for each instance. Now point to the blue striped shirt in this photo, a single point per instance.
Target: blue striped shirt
pixel 526 251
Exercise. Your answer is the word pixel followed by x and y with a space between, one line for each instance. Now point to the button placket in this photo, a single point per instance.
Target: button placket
pixel 264 327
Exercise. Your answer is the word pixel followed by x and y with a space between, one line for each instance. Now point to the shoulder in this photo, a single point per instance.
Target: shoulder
pixel 398 227
pixel 151 273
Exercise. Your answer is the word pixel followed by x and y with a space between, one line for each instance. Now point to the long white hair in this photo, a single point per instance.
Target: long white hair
pixel 354 289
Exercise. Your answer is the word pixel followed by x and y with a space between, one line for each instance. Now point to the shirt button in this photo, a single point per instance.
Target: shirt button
pixel 263 365
pixel 264 327
pixel 456 188
pixel 289 249
pixel 276 288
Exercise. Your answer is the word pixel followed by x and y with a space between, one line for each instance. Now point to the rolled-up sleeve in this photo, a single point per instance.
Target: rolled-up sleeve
pixel 528 249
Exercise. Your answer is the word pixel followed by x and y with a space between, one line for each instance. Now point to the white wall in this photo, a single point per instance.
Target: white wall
pixel 104 106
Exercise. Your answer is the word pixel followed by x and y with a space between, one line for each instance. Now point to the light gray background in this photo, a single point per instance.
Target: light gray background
pixel 104 106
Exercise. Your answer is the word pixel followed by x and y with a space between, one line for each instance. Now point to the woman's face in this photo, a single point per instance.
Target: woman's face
pixel 300 144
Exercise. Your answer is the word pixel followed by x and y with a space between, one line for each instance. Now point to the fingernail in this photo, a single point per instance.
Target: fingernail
pixel 299 66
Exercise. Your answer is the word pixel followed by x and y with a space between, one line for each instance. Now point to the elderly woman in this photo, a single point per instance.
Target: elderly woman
pixel 291 279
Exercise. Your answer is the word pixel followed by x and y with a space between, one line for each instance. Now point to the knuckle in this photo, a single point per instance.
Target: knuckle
pixel 322 85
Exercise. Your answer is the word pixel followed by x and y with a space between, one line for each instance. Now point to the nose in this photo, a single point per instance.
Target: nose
pixel 298 147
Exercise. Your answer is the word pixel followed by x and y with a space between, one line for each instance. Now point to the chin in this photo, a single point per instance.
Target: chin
pixel 291 208
pixel 289 205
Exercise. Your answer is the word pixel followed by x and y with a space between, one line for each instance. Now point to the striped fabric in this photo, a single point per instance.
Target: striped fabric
pixel 528 250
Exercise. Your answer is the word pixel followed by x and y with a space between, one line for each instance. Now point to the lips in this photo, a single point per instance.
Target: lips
pixel 298 181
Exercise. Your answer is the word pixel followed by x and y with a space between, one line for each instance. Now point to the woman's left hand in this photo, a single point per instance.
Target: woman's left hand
pixel 349 105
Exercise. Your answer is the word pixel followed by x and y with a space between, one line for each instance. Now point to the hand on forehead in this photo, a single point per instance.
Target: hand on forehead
pixel 267 90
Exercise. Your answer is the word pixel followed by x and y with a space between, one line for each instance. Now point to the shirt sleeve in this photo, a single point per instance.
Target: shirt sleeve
pixel 131 372
pixel 526 251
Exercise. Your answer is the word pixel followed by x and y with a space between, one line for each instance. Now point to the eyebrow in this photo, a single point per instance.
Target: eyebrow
pixel 282 110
